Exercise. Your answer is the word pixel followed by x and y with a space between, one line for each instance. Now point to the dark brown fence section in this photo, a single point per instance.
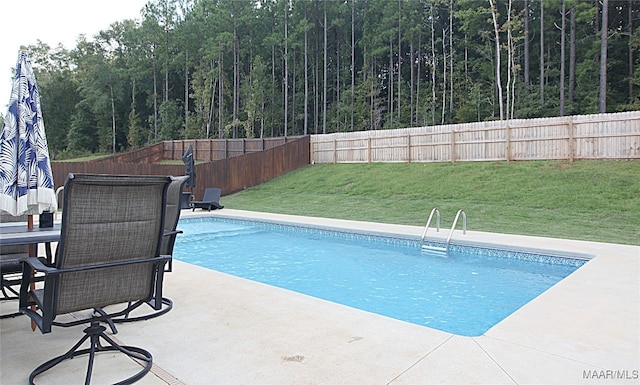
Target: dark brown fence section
pixel 205 150
pixel 231 175
pixel 215 149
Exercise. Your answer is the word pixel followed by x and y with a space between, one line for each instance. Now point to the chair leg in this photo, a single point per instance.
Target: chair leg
pixel 94 333
pixel 109 321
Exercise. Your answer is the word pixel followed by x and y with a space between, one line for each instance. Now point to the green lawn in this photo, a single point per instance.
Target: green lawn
pixel 587 200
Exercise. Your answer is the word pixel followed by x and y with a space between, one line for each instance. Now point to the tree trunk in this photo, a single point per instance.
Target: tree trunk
pixel 306 74
pixel 325 48
pixel 155 99
pixel 113 117
pixel 412 81
pixel 338 87
pixel 293 94
pixel 527 80
pixel 316 79
pixel 496 31
pixel 562 54
pixel 165 97
pixel 390 104
pixel 433 67
pixel 235 76
pixel 273 82
pixel 417 109
pixel 186 87
pixel 630 57
pixel 353 63
pixel 372 99
pixel 572 56
pixel 212 88
pixel 286 67
pixel 399 54
pixel 444 76
pixel 511 72
pixel 221 95
pixel 450 57
pixel 603 56
pixel 542 53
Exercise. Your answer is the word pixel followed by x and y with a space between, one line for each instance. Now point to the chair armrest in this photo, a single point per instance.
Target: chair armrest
pixel 173 232
pixel 37 265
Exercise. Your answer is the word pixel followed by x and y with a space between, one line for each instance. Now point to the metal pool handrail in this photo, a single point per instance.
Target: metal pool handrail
pixel 455 221
pixel 435 210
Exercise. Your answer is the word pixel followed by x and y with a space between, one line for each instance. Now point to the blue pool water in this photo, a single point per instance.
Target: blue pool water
pixel 465 294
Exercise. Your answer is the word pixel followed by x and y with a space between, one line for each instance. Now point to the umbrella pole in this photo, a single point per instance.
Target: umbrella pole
pixel 32 253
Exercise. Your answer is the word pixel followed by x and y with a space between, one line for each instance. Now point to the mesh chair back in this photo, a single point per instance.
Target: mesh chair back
pixel 212 194
pixel 172 214
pixel 107 219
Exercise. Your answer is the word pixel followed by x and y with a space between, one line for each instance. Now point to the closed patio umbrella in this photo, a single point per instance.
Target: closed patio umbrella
pixel 190 168
pixel 26 179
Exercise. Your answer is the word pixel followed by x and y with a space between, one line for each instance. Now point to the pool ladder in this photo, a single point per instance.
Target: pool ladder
pixel 439 250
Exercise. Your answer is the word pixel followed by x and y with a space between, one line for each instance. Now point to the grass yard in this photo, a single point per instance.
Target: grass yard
pixel 587 200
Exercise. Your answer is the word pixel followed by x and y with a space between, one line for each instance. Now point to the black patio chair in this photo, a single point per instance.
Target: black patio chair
pixel 210 200
pixel 171 218
pixel 108 253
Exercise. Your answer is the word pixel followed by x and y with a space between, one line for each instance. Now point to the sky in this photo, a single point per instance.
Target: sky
pixel 22 23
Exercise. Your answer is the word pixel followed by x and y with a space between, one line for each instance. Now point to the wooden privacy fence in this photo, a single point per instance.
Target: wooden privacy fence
pixel 230 174
pixel 602 136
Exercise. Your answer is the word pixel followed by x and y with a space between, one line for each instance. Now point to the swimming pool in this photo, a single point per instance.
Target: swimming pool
pixel 465 294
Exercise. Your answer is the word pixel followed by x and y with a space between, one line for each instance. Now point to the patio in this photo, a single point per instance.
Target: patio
pixel 228 330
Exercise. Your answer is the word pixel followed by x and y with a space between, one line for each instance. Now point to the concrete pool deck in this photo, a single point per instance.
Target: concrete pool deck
pixel 228 330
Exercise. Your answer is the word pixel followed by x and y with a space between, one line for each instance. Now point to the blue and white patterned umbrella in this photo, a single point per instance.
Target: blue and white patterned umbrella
pixel 26 180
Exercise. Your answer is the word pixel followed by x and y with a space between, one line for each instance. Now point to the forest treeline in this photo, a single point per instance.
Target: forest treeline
pixel 258 68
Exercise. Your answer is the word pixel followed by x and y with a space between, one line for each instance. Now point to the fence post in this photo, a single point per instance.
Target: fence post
pixel 335 151
pixel 508 144
pixel 453 146
pixel 409 148
pixel 571 139
pixel 369 150
pixel 312 151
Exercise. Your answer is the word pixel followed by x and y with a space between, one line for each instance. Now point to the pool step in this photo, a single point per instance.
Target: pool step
pixel 435 250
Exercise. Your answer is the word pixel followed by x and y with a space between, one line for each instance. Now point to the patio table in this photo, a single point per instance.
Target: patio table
pixel 16 233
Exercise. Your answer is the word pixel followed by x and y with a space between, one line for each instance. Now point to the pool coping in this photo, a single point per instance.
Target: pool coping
pixel 228 330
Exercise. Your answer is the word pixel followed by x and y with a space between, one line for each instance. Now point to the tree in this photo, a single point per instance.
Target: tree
pixel 255 90
pixel 542 53
pixel 494 16
pixel 563 14
pixel 603 57
pixel 360 64
pixel 527 80
pixel 58 90
pixel 170 122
